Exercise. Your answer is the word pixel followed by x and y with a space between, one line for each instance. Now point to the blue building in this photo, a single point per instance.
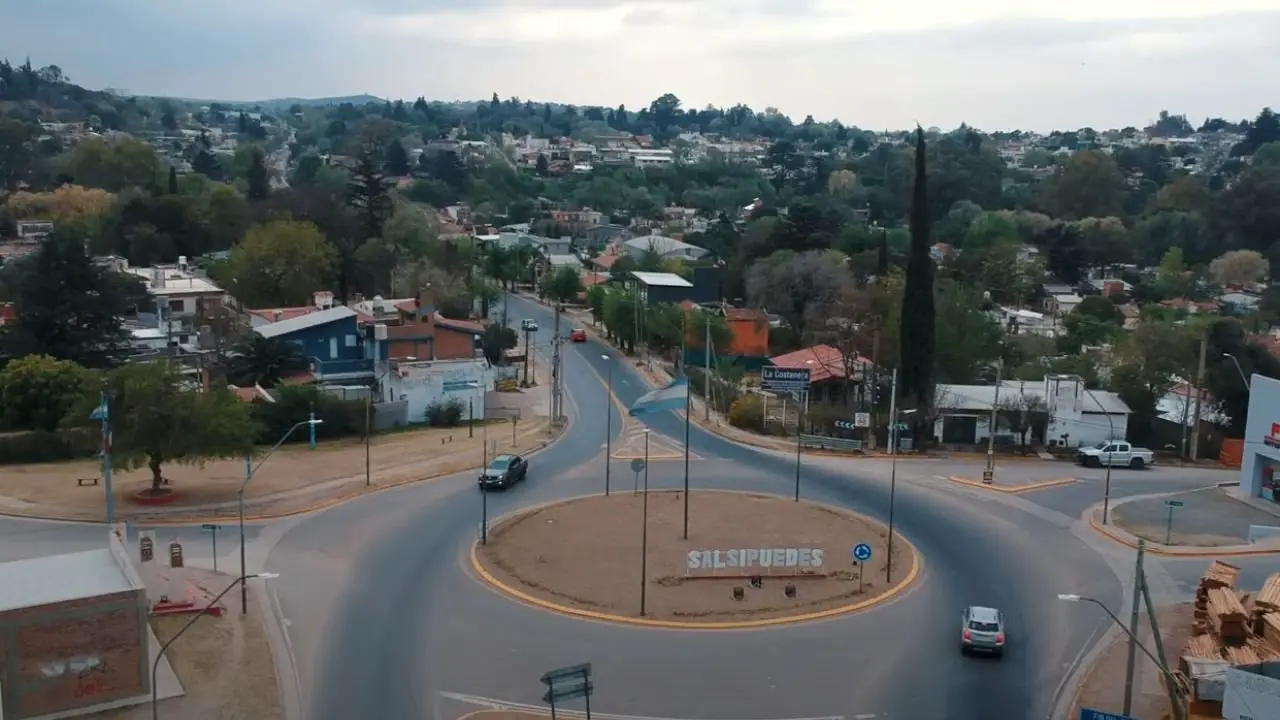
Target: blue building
pixel 332 340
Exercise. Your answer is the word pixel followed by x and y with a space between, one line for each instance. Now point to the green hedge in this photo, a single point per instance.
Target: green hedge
pixel 342 418
pixel 40 446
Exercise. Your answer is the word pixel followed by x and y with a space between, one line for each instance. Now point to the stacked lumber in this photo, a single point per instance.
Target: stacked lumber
pixel 1268 599
pixel 1227 617
pixel 1241 655
pixel 1202 647
pixel 1270 634
pixel 1219 575
pixel 1263 649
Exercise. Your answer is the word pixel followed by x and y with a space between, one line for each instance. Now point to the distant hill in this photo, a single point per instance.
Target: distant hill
pixel 280 104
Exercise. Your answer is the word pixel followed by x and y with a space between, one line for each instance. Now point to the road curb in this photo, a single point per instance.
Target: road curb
pixel 496 584
pixel 320 506
pixel 1170 551
pixel 1011 490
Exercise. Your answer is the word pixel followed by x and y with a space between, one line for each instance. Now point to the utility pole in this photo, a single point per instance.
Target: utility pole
pixel 555 369
pixel 1195 425
pixel 1175 701
pixel 875 386
pixel 1133 630
pixel 990 475
pixel 706 375
pixel 527 351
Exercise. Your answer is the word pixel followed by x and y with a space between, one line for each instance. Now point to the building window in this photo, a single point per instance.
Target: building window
pixel 351 341
pixel 177 306
pixel 333 348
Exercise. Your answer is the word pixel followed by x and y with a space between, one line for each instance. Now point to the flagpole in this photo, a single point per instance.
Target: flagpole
pixel 104 414
pixel 688 408
pixel 644 525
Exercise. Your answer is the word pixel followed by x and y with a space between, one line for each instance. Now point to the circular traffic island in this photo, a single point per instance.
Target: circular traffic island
pixel 750 560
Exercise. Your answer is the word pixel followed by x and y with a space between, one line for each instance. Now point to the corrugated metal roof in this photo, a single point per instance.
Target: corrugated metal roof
pixel 983 397
pixel 59 578
pixel 315 319
pixel 660 279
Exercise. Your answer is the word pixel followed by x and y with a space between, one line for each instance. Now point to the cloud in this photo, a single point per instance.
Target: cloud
pixel 992 63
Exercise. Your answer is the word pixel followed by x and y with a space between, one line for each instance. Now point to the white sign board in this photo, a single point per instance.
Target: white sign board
pixel 748 558
pixel 862 419
pixel 1250 696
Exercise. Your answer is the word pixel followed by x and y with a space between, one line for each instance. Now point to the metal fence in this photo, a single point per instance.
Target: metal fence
pixel 823 442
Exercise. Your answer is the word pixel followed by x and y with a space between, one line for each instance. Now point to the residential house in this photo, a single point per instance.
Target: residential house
pixel 331 339
pixel 1239 301
pixel 320 300
pixel 1026 322
pixel 184 300
pixel 420 384
pixel 601 235
pixel 555 262
pixel 749 336
pixel 659 287
pixel 665 247
pixel 422 333
pixel 829 377
pixel 1061 411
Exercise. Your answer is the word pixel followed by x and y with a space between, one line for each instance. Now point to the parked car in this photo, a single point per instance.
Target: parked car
pixel 1116 453
pixel 982 630
pixel 578 335
pixel 503 471
pixel 529 325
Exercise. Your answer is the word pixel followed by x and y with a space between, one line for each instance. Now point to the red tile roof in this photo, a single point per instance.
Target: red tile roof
pixel 284 313
pixel 823 361
pixel 590 279
pixel 604 262
pixel 471 326
pixel 745 314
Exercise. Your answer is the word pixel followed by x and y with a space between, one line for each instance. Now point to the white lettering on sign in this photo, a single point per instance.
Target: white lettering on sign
pixel 755 557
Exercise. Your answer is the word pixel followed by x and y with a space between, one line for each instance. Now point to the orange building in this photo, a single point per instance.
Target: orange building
pixel 425 334
pixel 749 328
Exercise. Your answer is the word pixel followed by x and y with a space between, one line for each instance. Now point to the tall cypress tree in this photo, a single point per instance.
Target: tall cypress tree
pixel 259 180
pixel 917 333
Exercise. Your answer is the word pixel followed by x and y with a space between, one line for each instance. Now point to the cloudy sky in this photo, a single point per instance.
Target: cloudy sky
pixel 996 64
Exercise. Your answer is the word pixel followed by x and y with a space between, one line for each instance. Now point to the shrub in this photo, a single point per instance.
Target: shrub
pixel 41 446
pixel 747 413
pixel 446 414
pixel 294 404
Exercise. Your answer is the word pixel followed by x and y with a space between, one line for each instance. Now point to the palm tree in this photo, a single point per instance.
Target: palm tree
pixel 264 361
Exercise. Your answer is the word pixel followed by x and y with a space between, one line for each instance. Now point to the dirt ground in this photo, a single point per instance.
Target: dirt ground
pixel 225 666
pixel 332 469
pixel 586 554
pixel 1103 687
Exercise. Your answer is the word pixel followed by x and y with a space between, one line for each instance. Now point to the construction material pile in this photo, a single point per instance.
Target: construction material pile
pixel 1230 625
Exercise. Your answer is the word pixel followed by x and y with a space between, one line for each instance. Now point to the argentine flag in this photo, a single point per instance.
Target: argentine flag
pixel 671 397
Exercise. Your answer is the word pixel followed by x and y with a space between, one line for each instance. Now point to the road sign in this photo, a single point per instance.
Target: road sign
pixel 568 691
pixel 568 683
pixel 211 527
pixel 637 465
pixel 784 380
pixel 900 426
pixel 1174 503
pixel 1090 714
pixel 862 552
pixel 847 425
pixel 862 419
pixel 564 673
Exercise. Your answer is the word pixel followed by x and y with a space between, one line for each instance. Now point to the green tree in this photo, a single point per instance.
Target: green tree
pixel 542 167
pixel 17 151
pixel 664 326
pixel 280 264
pixel 156 419
pixel 497 339
pixel 264 361
pixel 1148 364
pixel 596 296
pixel 917 334
pixel 968 340
pixel 37 392
pixel 173 180
pixel 620 318
pixel 307 169
pixel 563 285
pixel 397 159
pixel 368 194
pixel 257 176
pixel 114 165
pixel 68 307
pixel 1089 185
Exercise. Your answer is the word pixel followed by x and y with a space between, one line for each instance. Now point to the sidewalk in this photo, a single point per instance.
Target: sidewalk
pixel 1209 523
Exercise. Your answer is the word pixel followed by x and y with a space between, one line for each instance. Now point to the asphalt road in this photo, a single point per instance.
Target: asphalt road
pixel 384 618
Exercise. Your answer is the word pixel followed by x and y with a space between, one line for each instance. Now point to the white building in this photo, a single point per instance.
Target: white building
pixel 422 383
pixel 665 247
pixel 1059 408
pixel 1260 458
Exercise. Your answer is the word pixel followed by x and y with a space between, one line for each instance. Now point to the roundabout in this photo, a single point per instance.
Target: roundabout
pixel 751 560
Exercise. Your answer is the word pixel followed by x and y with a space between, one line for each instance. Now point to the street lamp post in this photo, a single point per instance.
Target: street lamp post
pixel 895 418
pixel 1164 669
pixel 250 471
pixel 1243 377
pixel 608 426
pixel 1106 490
pixel 484 489
pixel 155 664
pixel 644 527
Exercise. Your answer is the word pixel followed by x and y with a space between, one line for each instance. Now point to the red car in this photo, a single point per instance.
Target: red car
pixel 578 335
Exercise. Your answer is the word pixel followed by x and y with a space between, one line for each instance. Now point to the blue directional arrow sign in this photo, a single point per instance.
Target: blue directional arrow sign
pixel 1091 714
pixel 862 552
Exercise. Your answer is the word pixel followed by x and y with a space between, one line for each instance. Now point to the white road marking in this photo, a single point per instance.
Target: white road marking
pixel 864 716
pixel 493 704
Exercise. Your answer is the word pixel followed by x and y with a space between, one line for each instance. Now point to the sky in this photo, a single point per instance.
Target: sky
pixel 994 64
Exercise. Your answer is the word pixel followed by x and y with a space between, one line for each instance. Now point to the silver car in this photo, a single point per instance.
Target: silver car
pixel 982 630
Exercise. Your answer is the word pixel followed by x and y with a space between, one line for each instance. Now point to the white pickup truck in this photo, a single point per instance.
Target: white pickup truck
pixel 1116 453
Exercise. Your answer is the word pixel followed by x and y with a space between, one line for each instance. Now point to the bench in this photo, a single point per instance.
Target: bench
pixel 81 482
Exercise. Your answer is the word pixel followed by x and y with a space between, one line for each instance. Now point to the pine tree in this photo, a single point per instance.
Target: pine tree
pixel 542 168
pixel 397 159
pixel 882 254
pixel 917 332
pixel 259 182
pixel 367 193
pixel 173 180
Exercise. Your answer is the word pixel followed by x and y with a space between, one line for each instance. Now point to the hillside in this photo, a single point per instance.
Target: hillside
pixel 278 104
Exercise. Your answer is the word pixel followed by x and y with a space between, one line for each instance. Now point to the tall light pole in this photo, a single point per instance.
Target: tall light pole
pixel 1243 378
pixel 644 526
pixel 484 488
pixel 155 664
pixel 1106 489
pixel 250 471
pixel 894 418
pixel 1164 669
pixel 608 426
